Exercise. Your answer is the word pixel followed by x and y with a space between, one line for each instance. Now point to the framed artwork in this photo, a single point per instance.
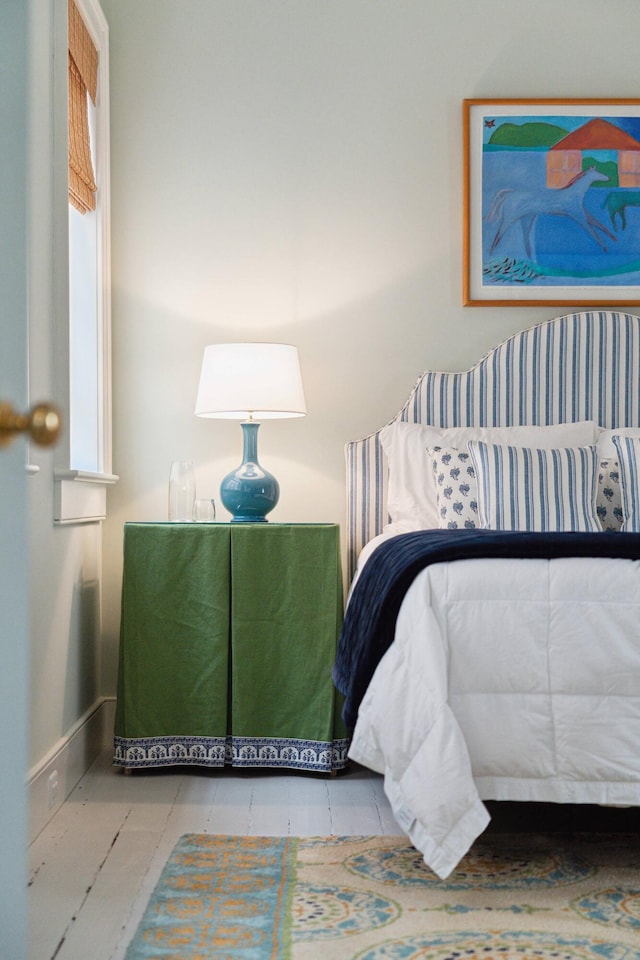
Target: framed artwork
pixel 551 202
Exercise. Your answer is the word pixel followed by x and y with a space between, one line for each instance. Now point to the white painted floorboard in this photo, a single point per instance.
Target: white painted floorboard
pixel 94 866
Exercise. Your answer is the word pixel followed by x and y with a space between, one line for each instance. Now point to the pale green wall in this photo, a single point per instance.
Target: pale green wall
pixel 65 561
pixel 292 170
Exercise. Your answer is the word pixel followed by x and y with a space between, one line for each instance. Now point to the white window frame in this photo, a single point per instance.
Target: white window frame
pixel 80 496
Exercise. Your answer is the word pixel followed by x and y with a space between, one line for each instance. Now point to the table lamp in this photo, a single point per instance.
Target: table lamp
pixel 250 382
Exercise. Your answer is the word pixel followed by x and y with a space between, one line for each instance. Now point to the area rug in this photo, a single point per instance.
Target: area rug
pixel 526 897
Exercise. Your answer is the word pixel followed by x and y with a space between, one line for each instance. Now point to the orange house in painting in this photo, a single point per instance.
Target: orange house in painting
pixel 564 159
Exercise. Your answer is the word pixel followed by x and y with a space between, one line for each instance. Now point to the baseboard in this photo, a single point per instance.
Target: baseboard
pixel 51 781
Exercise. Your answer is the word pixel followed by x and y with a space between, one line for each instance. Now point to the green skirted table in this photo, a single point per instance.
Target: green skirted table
pixel 227 640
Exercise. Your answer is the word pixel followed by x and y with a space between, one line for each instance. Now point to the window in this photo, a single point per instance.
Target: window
pixel 84 363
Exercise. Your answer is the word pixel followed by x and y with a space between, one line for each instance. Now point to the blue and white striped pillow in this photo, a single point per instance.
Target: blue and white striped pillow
pixel 629 464
pixel 524 488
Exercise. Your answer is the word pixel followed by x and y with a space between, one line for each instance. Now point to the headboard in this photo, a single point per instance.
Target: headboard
pixel 581 366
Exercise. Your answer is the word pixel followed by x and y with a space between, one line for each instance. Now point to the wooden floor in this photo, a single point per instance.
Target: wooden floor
pixel 95 864
pixel 92 869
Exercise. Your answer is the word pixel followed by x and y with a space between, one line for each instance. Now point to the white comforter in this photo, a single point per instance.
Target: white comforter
pixel 507 680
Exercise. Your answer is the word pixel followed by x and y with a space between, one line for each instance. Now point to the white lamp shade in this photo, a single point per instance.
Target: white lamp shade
pixel 260 381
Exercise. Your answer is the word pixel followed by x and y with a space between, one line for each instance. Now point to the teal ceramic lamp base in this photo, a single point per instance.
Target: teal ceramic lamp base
pixel 249 493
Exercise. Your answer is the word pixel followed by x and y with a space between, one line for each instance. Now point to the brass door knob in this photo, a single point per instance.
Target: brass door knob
pixel 42 424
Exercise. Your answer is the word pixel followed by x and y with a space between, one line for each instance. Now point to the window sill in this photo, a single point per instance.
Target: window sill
pixel 81 496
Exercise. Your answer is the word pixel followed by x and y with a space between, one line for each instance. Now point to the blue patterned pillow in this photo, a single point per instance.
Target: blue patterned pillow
pixel 457 491
pixel 456 488
pixel 629 459
pixel 609 496
pixel 523 488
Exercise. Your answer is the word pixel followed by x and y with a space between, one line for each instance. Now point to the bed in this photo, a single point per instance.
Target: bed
pixel 491 643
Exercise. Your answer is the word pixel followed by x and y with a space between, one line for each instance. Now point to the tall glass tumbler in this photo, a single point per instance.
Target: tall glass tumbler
pixel 182 491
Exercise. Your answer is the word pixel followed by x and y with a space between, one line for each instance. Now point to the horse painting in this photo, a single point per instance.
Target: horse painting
pixel 510 206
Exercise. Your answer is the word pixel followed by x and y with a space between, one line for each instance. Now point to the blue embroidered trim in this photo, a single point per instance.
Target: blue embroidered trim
pixel 321 756
pixel 166 751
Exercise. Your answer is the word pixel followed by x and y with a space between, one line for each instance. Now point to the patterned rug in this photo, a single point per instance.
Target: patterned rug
pixel 526 897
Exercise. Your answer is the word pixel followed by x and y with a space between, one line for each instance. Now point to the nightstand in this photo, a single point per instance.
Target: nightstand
pixel 228 636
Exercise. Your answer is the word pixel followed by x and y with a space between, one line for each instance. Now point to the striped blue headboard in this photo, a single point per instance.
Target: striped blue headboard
pixel 582 366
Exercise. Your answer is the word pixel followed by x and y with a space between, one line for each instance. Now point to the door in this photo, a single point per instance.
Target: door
pixel 14 635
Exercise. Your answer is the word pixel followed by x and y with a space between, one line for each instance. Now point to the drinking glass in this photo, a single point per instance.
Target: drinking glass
pixel 182 491
pixel 204 511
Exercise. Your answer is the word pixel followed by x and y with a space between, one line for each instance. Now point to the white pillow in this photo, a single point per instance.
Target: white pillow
pixel 411 492
pixel 523 488
pixel 629 459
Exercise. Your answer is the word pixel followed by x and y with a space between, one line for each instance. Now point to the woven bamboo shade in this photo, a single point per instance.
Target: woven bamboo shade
pixel 83 79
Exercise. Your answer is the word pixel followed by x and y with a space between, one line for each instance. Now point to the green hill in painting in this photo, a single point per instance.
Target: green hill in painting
pixel 534 134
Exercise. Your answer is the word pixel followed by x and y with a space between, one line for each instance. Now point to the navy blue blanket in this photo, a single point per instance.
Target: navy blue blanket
pixel 370 618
